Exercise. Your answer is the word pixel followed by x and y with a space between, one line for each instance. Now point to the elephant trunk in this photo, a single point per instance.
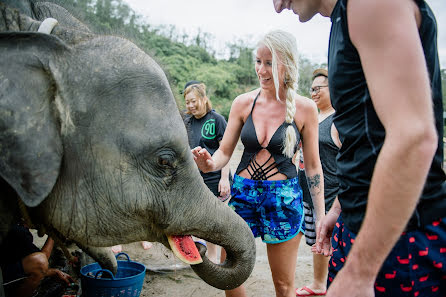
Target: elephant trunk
pixel 233 234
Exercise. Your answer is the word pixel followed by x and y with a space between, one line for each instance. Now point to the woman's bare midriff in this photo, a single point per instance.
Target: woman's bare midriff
pixel 261 158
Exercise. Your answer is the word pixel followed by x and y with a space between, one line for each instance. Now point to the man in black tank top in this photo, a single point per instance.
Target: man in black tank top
pixel 385 85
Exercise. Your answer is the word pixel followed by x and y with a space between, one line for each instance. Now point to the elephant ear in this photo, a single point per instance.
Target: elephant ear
pixel 30 142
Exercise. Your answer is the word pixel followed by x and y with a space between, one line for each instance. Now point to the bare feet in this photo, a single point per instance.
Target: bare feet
pixel 146 245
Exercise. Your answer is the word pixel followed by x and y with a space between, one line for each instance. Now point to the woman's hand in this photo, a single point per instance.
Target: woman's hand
pixel 203 159
pixel 224 187
pixel 324 231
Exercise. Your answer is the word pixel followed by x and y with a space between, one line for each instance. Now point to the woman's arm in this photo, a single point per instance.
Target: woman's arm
pixel 224 186
pixel 313 167
pixel 221 157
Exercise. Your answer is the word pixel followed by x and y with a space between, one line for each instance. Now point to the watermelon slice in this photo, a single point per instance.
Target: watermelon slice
pixel 184 248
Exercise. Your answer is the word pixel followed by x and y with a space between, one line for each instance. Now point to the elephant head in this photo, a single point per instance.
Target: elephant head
pixel 91 141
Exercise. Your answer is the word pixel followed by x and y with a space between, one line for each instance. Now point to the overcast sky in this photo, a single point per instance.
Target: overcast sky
pixel 231 20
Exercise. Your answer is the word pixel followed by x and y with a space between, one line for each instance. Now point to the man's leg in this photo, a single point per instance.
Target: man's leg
pixel 320 270
pixel 416 266
pixel 341 247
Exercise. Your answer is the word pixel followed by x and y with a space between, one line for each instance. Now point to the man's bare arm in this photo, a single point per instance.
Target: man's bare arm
pixel 396 73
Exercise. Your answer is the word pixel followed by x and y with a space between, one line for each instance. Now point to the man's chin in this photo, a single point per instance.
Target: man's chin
pixel 304 19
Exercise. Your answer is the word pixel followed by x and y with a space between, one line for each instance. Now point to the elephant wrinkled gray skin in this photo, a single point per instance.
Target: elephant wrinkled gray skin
pixel 93 144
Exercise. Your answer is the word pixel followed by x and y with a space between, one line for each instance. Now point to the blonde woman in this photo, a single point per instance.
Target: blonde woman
pixel 271 121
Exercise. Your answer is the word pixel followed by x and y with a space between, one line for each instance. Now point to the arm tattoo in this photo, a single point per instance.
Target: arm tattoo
pixel 314 183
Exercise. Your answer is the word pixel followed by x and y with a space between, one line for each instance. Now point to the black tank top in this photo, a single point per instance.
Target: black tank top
pixel 252 146
pixel 328 152
pixel 362 133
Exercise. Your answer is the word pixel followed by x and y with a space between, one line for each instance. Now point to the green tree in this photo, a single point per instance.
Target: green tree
pixel 181 56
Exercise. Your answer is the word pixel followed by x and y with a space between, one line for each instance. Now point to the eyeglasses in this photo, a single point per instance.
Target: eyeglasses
pixel 316 89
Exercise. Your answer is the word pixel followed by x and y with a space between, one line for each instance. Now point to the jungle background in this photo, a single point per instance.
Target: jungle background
pixel 186 57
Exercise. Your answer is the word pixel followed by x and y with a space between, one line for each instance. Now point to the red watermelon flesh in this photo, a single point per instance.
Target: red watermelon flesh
pixel 185 249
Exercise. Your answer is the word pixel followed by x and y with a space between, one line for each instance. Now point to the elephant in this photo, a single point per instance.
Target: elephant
pixel 93 148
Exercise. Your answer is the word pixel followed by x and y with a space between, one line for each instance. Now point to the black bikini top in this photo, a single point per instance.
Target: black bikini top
pixel 281 164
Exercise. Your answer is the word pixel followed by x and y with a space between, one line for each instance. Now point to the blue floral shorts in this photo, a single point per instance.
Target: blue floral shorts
pixel 272 209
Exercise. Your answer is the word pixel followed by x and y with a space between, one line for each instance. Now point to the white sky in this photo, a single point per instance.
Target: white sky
pixel 231 20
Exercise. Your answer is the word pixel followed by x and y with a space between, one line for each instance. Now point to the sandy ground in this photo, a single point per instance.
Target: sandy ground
pixel 182 281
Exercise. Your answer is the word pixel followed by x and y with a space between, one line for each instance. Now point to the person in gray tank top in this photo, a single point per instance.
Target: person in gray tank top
pixel 329 145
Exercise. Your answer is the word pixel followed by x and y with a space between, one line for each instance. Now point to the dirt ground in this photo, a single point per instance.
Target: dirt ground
pixel 167 276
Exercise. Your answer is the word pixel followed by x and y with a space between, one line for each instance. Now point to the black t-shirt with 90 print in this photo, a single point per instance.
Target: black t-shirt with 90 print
pixel 207 133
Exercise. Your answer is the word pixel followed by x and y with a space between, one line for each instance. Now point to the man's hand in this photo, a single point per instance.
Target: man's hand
pixel 60 275
pixel 324 231
pixel 349 283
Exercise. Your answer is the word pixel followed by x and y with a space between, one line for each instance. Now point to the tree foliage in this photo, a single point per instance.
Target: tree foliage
pixel 185 57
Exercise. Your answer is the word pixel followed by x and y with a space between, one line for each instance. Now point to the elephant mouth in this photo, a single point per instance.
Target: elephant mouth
pixel 184 248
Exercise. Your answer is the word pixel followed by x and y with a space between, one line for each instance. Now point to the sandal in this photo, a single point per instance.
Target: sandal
pixel 310 292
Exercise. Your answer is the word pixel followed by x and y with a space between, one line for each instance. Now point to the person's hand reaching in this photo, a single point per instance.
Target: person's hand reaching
pixel 203 159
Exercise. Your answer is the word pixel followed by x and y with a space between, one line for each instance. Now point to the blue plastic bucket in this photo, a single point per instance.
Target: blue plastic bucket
pixel 98 282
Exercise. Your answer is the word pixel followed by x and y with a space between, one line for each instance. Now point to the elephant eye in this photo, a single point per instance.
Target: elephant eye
pixel 166 159
pixel 163 162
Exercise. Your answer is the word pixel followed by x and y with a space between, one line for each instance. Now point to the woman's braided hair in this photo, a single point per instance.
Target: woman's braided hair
pixel 283 49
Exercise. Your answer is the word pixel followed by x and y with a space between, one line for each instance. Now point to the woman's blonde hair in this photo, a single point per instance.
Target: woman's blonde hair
pixel 283 49
pixel 199 90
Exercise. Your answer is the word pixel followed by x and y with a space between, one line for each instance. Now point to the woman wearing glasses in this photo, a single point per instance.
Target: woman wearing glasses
pixel 271 121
